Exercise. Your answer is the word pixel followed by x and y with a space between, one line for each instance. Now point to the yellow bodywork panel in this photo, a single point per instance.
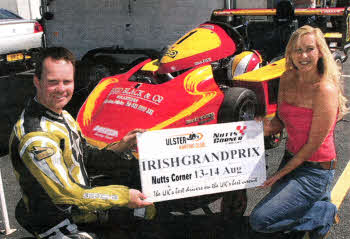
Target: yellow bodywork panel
pixel 272 12
pixel 196 41
pixel 151 66
pixel 271 71
pixel 333 35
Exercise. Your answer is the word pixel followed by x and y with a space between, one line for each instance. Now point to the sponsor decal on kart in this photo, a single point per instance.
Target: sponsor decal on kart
pixel 202 61
pixel 211 27
pixel 105 132
pixel 202 119
pixel 131 98
pixel 134 95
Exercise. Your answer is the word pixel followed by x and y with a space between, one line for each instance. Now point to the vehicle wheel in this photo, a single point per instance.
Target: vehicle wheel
pixel 239 104
pixel 273 141
pixel 88 75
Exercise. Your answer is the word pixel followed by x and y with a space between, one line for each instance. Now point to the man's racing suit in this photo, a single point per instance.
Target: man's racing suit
pixel 50 159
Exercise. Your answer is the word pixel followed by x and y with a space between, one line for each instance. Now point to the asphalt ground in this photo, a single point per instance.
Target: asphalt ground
pixel 15 90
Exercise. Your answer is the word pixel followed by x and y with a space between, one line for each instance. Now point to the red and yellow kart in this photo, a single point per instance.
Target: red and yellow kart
pixel 225 70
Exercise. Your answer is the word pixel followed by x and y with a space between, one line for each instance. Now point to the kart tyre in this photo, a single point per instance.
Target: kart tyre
pixel 88 75
pixel 239 104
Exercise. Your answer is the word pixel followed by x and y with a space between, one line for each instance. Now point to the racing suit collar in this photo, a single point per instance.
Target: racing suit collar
pixel 45 111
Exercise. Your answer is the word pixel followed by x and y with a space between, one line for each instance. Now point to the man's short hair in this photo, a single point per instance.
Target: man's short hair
pixel 56 53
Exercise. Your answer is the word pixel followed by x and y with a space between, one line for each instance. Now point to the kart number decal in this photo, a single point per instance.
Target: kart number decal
pixel 171 53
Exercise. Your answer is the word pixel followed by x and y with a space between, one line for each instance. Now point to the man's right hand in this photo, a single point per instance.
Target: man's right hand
pixel 127 142
pixel 137 199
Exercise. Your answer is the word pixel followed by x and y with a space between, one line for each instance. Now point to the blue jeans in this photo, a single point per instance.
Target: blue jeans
pixel 297 202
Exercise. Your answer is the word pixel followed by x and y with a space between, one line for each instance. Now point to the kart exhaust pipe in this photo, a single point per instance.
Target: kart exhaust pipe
pixel 230 4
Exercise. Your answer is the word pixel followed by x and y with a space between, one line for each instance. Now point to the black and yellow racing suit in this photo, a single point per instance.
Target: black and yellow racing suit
pixel 50 159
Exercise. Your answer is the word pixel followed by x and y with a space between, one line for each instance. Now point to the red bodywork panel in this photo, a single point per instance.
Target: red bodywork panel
pixel 118 105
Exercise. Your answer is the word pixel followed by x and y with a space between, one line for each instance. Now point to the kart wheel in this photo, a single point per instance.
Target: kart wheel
pixel 87 76
pixel 273 141
pixel 94 74
pixel 239 104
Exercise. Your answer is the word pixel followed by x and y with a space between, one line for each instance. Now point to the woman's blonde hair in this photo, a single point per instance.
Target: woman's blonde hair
pixel 326 65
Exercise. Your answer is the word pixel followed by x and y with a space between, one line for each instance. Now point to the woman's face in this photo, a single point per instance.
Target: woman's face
pixel 305 54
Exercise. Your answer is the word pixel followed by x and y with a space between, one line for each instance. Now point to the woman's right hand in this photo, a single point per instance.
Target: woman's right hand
pixel 272 126
pixel 266 124
pixel 259 118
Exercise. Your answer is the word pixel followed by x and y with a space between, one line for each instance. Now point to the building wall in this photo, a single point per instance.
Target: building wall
pixel 9 5
pixel 29 9
pixel 82 25
pixel 251 4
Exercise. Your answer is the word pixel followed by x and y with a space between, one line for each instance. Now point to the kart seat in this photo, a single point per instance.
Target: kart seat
pixel 261 36
pixel 270 37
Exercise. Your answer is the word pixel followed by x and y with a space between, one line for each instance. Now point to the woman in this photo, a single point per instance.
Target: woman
pixel 310 100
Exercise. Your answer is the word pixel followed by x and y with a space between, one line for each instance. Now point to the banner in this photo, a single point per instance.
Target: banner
pixel 191 161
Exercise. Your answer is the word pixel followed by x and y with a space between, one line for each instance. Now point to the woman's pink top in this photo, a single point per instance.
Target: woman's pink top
pixel 297 121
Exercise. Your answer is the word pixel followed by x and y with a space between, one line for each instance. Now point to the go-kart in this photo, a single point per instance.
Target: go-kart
pixel 226 69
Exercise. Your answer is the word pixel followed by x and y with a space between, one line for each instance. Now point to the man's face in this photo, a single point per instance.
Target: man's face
pixel 56 86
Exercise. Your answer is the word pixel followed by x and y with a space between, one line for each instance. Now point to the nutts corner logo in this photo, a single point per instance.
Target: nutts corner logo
pixel 186 141
pixel 230 137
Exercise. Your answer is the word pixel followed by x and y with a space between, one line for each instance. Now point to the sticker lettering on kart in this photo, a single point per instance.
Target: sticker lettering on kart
pixel 201 119
pixel 133 98
pixel 104 132
pixel 134 95
pixel 135 106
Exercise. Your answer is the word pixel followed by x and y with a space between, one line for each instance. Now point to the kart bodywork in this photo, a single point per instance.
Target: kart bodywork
pixel 226 69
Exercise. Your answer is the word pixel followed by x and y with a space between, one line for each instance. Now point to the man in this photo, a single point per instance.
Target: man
pixel 51 160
